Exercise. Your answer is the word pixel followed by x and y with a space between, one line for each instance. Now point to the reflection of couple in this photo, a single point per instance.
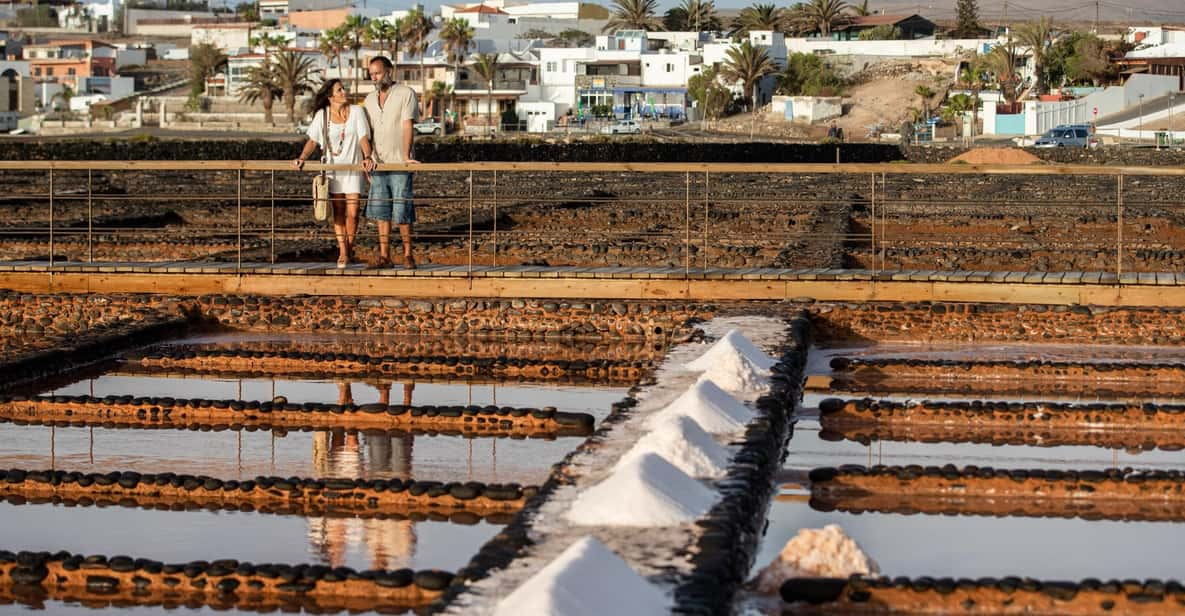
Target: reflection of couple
pixel 336 454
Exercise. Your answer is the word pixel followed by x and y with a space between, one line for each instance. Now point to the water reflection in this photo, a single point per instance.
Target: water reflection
pixel 388 543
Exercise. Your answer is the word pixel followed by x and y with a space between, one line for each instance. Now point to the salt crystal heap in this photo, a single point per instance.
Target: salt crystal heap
pixel 735 364
pixel 714 409
pixel 587 579
pixel 647 491
pixel 683 443
pixel 825 552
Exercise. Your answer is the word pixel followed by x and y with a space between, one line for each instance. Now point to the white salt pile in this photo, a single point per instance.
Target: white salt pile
pixel 824 552
pixel 647 491
pixel 684 444
pixel 734 343
pixel 587 579
pixel 714 409
pixel 735 364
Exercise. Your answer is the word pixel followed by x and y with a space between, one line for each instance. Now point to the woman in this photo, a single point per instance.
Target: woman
pixel 347 143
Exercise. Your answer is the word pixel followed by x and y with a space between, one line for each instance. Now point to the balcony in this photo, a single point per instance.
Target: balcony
pixel 605 82
pixel 500 85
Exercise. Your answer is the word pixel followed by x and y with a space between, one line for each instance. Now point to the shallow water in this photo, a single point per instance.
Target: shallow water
pixel 182 536
pixel 244 454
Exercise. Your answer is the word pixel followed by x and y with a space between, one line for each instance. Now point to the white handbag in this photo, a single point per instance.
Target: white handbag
pixel 321 180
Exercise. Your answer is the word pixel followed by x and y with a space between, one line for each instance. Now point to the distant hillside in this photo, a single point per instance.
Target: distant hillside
pixel 1079 11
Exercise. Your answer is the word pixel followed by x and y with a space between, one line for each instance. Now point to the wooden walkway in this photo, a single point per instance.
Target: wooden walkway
pixel 573 282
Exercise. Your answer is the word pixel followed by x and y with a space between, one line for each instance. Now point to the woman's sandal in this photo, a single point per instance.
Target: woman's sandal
pixel 409 262
pixel 342 262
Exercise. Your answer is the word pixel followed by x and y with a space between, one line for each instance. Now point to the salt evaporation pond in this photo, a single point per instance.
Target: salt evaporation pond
pixel 976 546
pixel 245 454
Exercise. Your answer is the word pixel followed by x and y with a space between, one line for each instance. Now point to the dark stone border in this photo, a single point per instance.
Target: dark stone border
pixel 88 350
pixel 732 530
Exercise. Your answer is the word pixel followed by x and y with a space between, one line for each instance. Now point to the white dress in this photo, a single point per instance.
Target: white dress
pixel 344 147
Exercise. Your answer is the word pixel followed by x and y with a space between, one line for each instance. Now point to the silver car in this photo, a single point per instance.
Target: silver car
pixel 1068 136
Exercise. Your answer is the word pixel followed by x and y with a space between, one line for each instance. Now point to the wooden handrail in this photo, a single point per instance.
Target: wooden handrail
pixel 769 168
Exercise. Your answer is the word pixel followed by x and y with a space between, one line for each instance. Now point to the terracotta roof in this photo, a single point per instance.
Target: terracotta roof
pixel 483 9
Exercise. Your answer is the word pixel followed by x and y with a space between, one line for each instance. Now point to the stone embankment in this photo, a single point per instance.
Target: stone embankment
pixel 1111 494
pixel 291 363
pixel 1004 596
pixel 123 580
pixel 282 414
pixel 376 498
pixel 1098 371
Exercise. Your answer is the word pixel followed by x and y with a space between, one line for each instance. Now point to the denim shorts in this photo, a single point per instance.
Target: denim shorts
pixel 391 197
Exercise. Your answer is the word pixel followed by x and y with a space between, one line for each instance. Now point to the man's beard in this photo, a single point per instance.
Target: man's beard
pixel 386 82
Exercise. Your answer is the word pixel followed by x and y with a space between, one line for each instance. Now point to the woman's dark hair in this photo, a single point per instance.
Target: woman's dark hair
pixel 321 98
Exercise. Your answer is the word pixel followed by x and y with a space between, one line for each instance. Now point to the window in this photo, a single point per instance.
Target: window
pixel 1080 132
pixel 670 67
pixel 37 72
pixel 49 71
pixel 551 68
pixel 70 71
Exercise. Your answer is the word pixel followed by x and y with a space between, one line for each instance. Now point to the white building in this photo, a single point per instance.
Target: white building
pixel 227 37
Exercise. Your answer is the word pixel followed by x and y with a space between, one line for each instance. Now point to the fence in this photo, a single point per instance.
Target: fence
pixel 688 219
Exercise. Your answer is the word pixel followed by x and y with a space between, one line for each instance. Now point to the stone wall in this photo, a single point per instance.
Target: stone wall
pixel 964 323
pixel 62 315
pixel 1106 155
pixel 450 150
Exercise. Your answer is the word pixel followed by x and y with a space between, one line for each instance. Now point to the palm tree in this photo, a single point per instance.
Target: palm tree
pixel 860 10
pixel 747 64
pixel 486 67
pixel 386 34
pixel 925 94
pixel 758 17
pixel 294 76
pixel 332 43
pixel 439 93
pixel 261 87
pixel 1036 35
pixel 700 13
pixel 355 32
pixel 268 41
pixel 417 27
pixel 971 77
pixel 633 15
pixel 958 105
pixel 205 60
pixel 1001 63
pixel 824 15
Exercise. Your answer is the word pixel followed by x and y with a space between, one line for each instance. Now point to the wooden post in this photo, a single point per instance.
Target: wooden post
pixel 706 193
pixel 872 217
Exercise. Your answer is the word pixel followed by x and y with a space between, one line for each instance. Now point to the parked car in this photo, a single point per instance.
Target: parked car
pixel 1068 136
pixel 429 127
pixel 622 127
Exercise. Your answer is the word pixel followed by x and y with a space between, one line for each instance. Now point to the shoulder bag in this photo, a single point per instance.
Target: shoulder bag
pixel 321 180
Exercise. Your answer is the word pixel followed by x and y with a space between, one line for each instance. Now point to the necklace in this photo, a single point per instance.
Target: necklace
pixel 341 141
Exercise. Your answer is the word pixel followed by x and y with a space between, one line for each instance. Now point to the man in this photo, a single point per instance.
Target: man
pixel 391 110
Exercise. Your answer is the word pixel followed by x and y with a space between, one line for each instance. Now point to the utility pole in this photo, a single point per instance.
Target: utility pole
pixel 1096 16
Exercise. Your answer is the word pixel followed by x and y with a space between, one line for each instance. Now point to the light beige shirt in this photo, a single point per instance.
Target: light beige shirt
pixel 386 122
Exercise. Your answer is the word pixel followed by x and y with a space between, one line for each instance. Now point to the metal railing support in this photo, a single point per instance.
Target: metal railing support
pixel 90 217
pixel 687 225
pixel 273 225
pixel 470 271
pixel 872 217
pixel 1119 226
pixel 706 194
pixel 239 223
pixel 51 217
pixel 495 191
